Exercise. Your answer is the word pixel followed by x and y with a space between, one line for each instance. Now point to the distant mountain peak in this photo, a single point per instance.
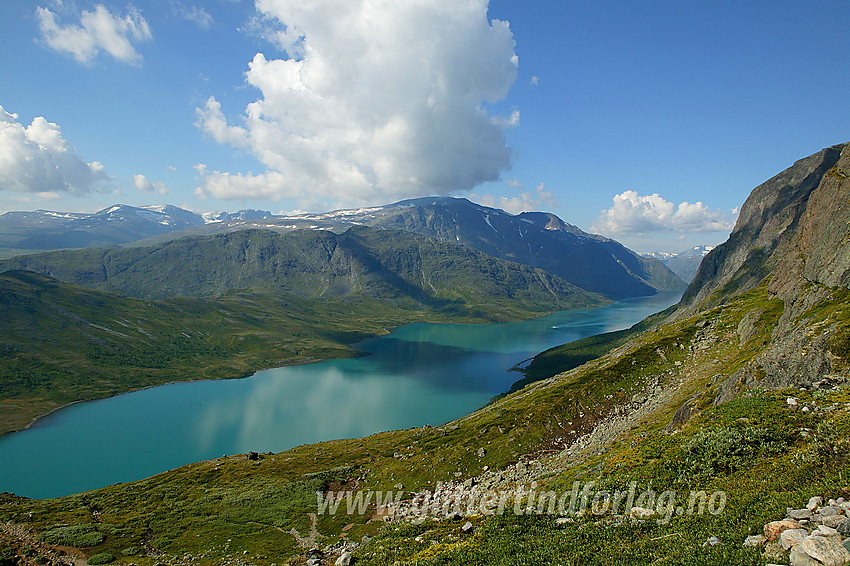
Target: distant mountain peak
pixel 685 263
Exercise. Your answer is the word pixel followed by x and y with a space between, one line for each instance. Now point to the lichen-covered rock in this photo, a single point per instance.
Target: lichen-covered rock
pixel 773 529
pixel 826 551
pixel 792 537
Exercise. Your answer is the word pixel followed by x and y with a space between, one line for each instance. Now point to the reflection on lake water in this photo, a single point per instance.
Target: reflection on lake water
pixel 420 374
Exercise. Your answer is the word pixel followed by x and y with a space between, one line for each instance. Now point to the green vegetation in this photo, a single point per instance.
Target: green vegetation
pixel 102 558
pixel 764 455
pixel 399 268
pixel 569 356
pixel 61 343
pixel 80 536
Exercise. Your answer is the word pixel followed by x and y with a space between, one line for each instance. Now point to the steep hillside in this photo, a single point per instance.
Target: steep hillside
pixel 683 438
pixel 536 239
pixel 394 266
pixel 793 234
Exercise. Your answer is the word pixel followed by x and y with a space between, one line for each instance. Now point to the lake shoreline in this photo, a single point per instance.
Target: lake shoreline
pixel 357 353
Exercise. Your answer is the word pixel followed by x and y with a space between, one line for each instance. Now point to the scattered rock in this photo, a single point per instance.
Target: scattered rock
pixel 833 521
pixel 344 559
pixel 399 486
pixel 754 541
pixel 791 401
pixel 712 541
pixel 823 550
pixel 814 503
pixel 844 527
pixel 253 456
pixel 831 511
pixel 481 452
pixel 467 526
pixel 792 537
pixel 774 529
pixel 314 562
pixel 774 551
pixel 824 531
pixel 798 514
pixel 641 513
pixel 800 558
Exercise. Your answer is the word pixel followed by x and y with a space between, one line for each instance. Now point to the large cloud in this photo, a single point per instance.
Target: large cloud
pixel 636 214
pixel 526 201
pixel 147 186
pixel 37 159
pixel 98 31
pixel 376 100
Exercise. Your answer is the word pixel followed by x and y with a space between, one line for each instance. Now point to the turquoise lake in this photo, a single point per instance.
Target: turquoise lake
pixel 420 374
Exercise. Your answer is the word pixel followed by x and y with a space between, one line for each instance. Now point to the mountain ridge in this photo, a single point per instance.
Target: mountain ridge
pixel 310 263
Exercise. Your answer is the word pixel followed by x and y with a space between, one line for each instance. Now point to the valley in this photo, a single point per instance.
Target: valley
pixel 740 389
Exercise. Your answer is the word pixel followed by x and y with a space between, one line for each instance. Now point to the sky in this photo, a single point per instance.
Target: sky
pixel 648 122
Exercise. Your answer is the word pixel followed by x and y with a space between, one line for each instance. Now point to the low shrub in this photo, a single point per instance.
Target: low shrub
pixel 78 536
pixel 102 558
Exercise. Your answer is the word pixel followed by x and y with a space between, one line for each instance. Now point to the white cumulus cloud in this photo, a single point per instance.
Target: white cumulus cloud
pixel 633 213
pixel 38 160
pixel 146 185
pixel 375 100
pixel 526 201
pixel 97 31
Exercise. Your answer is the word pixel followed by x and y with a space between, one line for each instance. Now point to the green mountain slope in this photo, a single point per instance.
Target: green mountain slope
pixel 392 265
pixel 695 403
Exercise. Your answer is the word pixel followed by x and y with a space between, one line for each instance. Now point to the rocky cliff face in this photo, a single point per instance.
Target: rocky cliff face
pixel 793 235
pixel 767 224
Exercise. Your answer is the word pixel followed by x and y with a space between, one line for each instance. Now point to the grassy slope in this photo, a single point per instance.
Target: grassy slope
pixel 566 357
pixel 61 343
pixel 229 506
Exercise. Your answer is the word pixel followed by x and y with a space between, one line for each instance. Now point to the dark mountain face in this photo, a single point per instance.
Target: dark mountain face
pixel 315 264
pixel 537 239
pixel 118 224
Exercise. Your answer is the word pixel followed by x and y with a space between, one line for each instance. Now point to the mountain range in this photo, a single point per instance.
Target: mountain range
pixel 316 264
pixel 684 264
pixel 540 240
pixel 717 426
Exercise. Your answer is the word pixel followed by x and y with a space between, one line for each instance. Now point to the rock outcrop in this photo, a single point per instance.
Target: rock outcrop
pixel 793 234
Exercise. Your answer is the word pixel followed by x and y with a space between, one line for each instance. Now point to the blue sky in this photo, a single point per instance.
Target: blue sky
pixel 649 122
